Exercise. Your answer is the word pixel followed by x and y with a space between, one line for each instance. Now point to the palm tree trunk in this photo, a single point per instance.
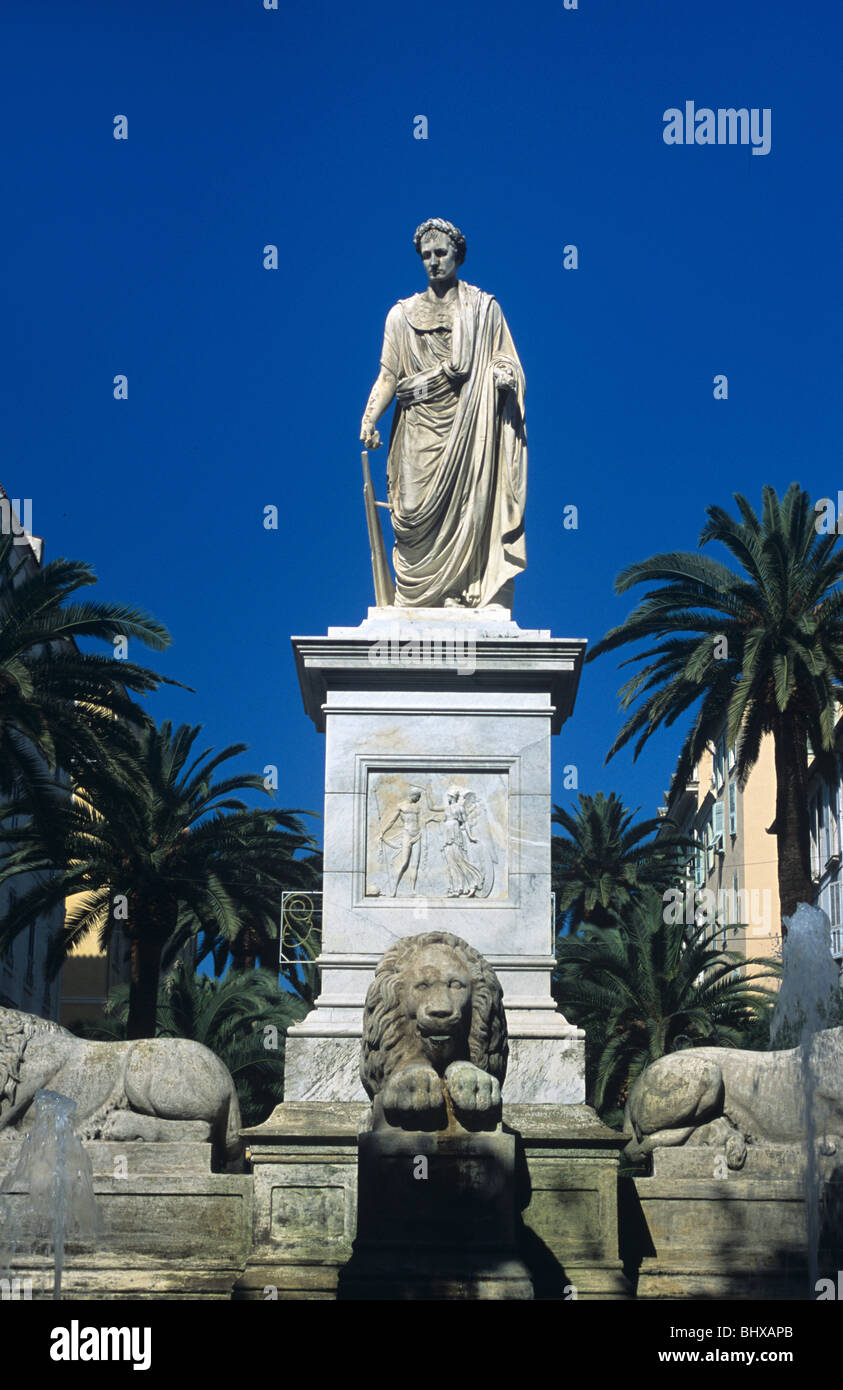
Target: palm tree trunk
pixel 244 949
pixel 792 825
pixel 145 957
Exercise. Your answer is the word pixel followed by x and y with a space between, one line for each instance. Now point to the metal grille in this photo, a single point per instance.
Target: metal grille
pixel 301 939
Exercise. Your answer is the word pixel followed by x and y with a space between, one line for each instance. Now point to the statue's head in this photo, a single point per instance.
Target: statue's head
pixel 434 1000
pixel 441 246
pixel 437 1002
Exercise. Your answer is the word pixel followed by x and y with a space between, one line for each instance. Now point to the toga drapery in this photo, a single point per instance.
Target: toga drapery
pixel 457 468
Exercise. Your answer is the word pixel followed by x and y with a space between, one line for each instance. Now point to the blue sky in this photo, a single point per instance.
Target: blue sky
pixel 246 386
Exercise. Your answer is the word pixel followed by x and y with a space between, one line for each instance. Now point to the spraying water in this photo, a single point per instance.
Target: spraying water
pixel 808 1001
pixel 55 1172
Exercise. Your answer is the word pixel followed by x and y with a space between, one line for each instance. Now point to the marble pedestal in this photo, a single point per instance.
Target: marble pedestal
pixel 437 1218
pixel 172 1229
pixel 548 1193
pixel 456 707
pixel 701 1235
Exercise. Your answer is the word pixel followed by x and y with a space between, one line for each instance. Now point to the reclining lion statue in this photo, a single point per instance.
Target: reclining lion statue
pixel 434 1035
pixel 154 1088
pixel 726 1097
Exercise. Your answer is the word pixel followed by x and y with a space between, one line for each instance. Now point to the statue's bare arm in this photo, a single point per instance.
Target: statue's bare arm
pixel 380 397
pixel 387 828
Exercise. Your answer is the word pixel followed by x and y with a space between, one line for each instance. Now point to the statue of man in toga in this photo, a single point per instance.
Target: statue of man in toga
pixel 457 466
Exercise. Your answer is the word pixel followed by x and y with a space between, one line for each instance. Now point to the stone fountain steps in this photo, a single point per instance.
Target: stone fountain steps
pixel 173 1229
pixel 109 1158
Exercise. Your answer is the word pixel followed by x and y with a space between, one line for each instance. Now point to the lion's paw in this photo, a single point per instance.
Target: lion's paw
pixel 736 1151
pixel 411 1093
pixel 472 1089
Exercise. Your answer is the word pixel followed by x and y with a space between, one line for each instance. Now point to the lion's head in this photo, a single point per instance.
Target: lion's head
pixel 434 999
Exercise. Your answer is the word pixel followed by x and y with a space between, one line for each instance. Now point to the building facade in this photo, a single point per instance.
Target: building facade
pixel 733 871
pixel 736 858
pixel 824 810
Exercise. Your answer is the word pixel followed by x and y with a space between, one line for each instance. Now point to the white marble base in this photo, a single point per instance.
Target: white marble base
pixel 540 1070
pixel 437 703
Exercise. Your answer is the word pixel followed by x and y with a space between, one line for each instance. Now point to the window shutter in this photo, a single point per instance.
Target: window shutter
pixel 718 820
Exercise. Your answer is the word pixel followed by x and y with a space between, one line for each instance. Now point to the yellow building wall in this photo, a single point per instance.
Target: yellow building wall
pixel 751 854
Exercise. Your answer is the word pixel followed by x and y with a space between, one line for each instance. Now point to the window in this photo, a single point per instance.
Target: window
pixel 699 862
pixel 709 848
pixel 833 824
pixel 719 763
pixel 829 837
pixel 718 824
pixel 733 809
pixel 733 756
pixel 813 818
pixel 834 904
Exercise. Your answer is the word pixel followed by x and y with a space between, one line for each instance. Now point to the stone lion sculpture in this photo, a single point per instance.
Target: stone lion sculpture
pixel 726 1097
pixel 434 1034
pixel 153 1088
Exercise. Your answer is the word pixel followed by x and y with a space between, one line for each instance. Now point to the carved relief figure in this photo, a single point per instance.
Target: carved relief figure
pixel 465 842
pixel 465 876
pixel 409 812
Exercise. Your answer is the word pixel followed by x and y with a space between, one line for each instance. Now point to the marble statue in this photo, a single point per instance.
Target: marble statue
pixel 434 1034
pixel 457 466
pixel 164 1089
pixel 723 1096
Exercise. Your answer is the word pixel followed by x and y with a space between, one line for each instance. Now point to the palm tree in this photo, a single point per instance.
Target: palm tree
pixel 764 655
pixel 607 860
pixel 170 858
pixel 242 1018
pixel 258 943
pixel 650 988
pixel 57 703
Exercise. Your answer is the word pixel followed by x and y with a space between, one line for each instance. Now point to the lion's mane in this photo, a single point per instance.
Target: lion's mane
pixel 16 1029
pixel 387 1044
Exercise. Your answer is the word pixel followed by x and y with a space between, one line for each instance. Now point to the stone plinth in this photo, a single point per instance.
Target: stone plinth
pixel 436 1218
pixel 562 1166
pixel 570 1221
pixel 172 1229
pixel 304 1168
pixel 456 708
pixel 706 1232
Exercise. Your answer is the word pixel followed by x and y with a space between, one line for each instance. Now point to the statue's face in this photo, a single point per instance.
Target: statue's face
pixel 437 997
pixel 439 258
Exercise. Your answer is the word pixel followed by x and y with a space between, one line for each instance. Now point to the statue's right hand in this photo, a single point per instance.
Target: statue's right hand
pixel 369 436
